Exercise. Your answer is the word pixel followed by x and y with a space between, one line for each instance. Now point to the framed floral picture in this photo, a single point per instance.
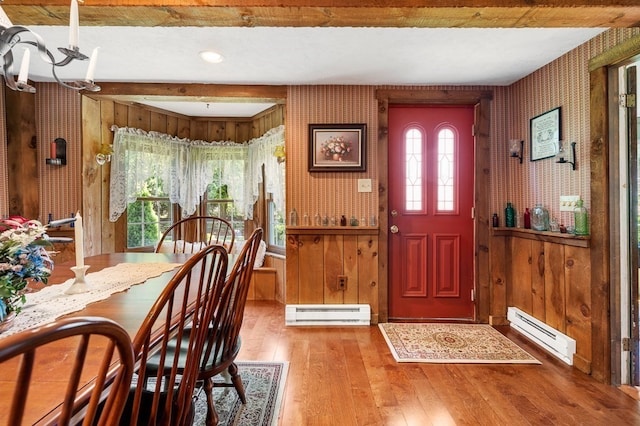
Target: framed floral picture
pixel 337 147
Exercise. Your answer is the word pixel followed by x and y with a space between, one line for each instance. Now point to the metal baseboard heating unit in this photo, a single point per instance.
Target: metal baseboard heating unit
pixel 328 315
pixel 558 344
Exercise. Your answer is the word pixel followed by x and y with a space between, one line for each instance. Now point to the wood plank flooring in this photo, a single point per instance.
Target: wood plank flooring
pixel 347 376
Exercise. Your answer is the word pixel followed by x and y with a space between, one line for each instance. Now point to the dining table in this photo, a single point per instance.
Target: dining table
pixel 134 281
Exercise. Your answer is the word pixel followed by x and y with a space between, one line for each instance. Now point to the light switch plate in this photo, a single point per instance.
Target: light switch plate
pixel 568 202
pixel 364 185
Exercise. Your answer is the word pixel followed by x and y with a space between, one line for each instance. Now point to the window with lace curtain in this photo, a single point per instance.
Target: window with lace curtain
pixel 152 213
pixel 157 178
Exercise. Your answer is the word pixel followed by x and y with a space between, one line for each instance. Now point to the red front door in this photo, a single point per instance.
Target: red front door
pixel 431 187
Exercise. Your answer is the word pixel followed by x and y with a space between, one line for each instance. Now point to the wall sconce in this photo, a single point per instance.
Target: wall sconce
pixel 58 153
pixel 516 147
pixel 279 153
pixel 104 155
pixel 561 156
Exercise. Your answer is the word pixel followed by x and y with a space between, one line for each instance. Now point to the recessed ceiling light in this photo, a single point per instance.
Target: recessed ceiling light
pixel 211 56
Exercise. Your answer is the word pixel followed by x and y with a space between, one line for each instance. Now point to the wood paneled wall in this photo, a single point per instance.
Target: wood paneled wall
pixel 317 256
pixel 550 280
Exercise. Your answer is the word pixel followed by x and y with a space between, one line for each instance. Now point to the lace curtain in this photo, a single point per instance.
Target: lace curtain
pixel 186 167
pixel 261 154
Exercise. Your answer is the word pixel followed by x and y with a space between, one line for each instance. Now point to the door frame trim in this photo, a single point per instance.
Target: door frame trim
pixel 605 275
pixel 480 99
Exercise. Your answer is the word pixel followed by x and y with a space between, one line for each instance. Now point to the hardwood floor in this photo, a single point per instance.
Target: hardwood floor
pixel 347 376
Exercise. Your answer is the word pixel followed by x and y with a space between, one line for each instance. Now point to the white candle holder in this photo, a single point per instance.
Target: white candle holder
pixel 80 284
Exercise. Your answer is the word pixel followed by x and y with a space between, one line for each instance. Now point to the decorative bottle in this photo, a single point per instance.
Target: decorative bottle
pixel 510 216
pixel 495 221
pixel 580 219
pixel 527 218
pixel 293 218
pixel 539 218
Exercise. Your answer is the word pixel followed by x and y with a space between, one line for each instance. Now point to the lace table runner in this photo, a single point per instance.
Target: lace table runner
pixel 51 302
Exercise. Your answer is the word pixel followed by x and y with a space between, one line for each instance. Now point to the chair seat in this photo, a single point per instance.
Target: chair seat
pixel 211 364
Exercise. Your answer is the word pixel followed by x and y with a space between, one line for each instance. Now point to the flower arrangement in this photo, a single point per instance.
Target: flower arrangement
pixel 336 148
pixel 23 256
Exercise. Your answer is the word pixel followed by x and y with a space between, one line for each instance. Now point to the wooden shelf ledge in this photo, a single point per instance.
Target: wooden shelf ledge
pixel 546 236
pixel 332 230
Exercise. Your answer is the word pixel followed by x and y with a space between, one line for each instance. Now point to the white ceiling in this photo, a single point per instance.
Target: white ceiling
pixel 315 56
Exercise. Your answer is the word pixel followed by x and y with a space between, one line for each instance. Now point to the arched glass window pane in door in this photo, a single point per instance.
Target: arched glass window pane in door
pixel 446 170
pixel 413 170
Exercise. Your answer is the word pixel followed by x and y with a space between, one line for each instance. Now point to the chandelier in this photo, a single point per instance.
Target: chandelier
pixel 12 36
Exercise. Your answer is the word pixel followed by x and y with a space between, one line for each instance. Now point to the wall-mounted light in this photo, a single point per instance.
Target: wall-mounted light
pixel 104 155
pixel 279 153
pixel 563 156
pixel 516 148
pixel 58 153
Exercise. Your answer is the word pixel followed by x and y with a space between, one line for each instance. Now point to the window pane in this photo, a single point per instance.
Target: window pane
pixel 147 218
pixel 446 167
pixel 413 170
pixel 226 210
pixel 276 226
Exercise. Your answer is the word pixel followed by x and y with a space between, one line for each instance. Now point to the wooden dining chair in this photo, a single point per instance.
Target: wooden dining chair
pixel 163 395
pixel 194 233
pixel 34 347
pixel 223 341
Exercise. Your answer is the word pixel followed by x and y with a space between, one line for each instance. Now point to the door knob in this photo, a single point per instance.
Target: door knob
pixel 394 229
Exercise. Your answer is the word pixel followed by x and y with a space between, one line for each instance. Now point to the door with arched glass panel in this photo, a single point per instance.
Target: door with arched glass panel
pixel 431 181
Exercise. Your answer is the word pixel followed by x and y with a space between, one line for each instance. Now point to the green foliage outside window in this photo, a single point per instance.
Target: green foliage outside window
pixel 277 225
pixel 147 217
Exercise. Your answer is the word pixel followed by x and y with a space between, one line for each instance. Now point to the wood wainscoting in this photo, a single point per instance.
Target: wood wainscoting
pixel 548 276
pixel 319 257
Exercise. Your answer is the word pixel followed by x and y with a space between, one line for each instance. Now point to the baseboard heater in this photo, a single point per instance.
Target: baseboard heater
pixel 556 343
pixel 328 314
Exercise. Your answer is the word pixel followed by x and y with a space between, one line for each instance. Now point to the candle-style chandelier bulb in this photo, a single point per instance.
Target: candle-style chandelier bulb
pixel 14 35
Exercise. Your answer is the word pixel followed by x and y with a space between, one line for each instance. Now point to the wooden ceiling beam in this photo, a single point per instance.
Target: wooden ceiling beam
pixel 332 13
pixel 192 91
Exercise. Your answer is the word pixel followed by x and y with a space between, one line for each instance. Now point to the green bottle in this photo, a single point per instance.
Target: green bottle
pixel 581 220
pixel 510 216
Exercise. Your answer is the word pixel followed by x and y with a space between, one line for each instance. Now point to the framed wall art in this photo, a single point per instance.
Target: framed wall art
pixel 545 134
pixel 337 147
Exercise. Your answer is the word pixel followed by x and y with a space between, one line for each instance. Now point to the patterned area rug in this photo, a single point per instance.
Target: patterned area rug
pixel 264 384
pixel 452 343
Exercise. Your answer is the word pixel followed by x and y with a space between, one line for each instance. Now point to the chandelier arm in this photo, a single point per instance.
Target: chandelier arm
pixel 7 70
pixel 10 37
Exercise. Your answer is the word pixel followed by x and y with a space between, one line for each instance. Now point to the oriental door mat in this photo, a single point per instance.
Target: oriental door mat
pixel 264 384
pixel 452 343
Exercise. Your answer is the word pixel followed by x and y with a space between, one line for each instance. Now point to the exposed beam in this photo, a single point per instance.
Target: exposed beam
pixel 199 92
pixel 133 93
pixel 332 13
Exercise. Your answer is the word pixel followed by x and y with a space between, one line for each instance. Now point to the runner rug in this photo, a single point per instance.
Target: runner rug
pixel 452 343
pixel 264 384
